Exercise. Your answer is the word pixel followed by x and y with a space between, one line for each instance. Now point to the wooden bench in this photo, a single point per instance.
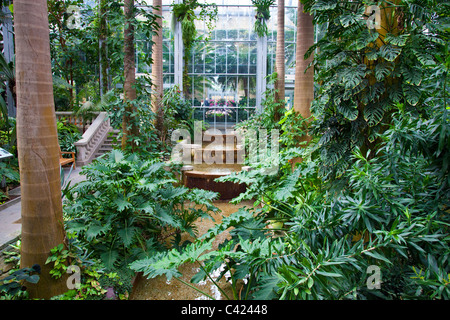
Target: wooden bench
pixel 64 161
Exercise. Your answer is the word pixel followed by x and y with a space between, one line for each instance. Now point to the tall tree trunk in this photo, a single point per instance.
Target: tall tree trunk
pixel 304 81
pixel 37 142
pixel 103 55
pixel 129 124
pixel 280 64
pixel 157 70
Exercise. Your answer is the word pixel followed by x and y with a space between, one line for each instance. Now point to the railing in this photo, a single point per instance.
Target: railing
pixel 96 131
pixel 93 139
pixel 82 123
pixel 222 116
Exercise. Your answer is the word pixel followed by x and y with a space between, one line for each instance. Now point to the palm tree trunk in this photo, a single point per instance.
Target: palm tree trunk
pixel 129 124
pixel 304 81
pixel 38 148
pixel 157 71
pixel 280 64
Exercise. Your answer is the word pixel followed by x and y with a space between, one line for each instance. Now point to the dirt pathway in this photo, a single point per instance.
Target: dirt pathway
pixel 161 289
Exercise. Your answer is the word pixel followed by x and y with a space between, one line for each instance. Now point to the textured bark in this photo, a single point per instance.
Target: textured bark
pixel 129 125
pixel 38 148
pixel 157 70
pixel 304 81
pixel 280 64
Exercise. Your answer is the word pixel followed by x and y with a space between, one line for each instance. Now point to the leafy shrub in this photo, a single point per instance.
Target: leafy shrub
pixel 13 287
pixel 68 134
pixel 129 207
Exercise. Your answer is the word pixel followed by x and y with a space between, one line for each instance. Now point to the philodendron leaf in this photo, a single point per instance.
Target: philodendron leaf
pixel 127 235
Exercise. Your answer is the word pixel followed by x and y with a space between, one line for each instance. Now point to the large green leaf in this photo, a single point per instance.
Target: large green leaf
pixel 95 229
pixel 353 76
pixel 383 70
pixel 399 40
pixel 390 52
pixel 373 113
pixel 109 258
pixel 348 110
pixel 412 94
pixel 127 235
pixel 412 75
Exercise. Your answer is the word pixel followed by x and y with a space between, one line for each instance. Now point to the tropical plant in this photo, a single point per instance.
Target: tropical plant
pixel 68 134
pixel 365 71
pixel 316 240
pixel 13 287
pixel 129 207
pixel 262 15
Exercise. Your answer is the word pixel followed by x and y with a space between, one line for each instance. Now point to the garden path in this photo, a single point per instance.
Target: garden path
pixel 10 213
pixel 161 289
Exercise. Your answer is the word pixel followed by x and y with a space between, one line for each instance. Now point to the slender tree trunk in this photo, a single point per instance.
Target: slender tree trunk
pixel 37 142
pixel 129 124
pixel 280 64
pixel 157 71
pixel 103 55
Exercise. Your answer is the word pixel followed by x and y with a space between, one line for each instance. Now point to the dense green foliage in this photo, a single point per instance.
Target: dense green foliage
pixel 366 73
pixel 129 205
pixel 365 214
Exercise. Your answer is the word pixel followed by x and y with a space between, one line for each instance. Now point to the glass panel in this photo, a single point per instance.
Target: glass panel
pixel 253 58
pixel 221 57
pixel 231 58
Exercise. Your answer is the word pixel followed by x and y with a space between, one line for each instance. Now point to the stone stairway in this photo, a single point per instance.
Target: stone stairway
pixel 108 144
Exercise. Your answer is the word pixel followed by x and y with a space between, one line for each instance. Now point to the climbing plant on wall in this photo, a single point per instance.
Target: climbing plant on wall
pixel 185 13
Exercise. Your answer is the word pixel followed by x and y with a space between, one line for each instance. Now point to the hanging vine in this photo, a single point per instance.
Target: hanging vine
pixel 262 15
pixel 185 13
